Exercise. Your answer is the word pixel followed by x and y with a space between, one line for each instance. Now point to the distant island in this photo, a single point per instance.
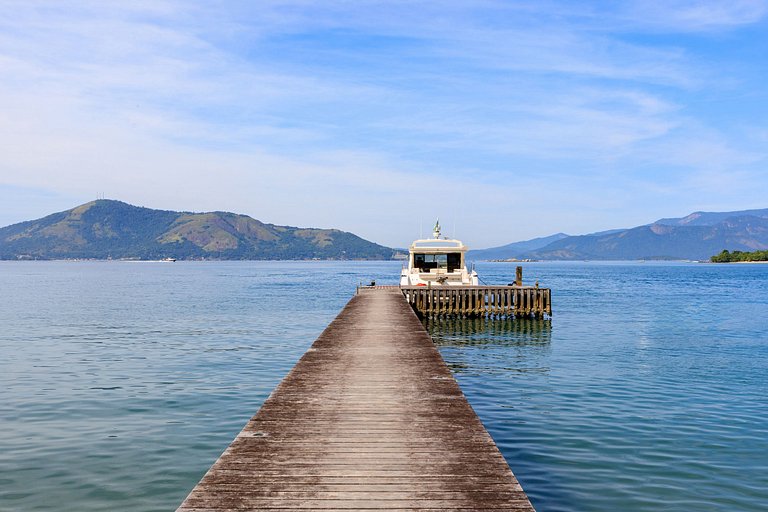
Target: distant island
pixel 108 229
pixel 738 256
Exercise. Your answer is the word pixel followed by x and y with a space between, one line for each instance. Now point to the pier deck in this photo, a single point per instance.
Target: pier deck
pixel 370 418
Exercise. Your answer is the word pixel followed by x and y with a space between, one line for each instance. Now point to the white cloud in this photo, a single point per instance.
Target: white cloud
pixel 696 15
pixel 354 114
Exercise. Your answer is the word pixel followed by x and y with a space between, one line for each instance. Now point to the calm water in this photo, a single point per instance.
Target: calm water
pixel 120 383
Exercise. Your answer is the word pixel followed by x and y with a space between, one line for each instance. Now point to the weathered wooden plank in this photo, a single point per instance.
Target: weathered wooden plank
pixel 410 509
pixel 235 502
pixel 370 418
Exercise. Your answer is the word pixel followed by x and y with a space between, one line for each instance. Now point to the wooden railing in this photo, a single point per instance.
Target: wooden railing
pixel 493 301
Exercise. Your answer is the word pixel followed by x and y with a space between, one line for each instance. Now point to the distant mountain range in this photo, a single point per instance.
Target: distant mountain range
pixel 694 237
pixel 106 229
pixel 515 249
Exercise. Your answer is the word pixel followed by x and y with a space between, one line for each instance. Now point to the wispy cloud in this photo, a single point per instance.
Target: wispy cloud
pixel 282 108
pixel 694 15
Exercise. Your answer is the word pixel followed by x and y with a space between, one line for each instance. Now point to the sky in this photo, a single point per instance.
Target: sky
pixel 507 120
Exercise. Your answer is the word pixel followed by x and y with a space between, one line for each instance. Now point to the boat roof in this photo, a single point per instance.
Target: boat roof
pixel 438 244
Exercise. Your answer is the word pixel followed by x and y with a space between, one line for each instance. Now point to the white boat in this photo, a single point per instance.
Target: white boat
pixel 437 262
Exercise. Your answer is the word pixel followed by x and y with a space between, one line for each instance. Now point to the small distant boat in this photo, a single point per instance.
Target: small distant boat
pixel 168 260
pixel 437 262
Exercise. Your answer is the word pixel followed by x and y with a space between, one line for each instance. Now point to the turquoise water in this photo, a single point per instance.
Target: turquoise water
pixel 120 383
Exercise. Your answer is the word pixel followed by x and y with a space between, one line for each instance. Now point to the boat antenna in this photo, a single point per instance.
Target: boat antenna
pixel 436 229
pixel 421 227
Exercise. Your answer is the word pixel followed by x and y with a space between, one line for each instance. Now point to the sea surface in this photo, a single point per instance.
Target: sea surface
pixel 122 382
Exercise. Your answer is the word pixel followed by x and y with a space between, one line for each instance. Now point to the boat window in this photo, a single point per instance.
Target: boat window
pixel 454 261
pixel 426 262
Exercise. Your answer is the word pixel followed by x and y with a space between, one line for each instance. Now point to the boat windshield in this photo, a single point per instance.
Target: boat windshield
pixel 426 262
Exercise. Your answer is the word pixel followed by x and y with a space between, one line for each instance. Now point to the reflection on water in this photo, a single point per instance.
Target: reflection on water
pixel 120 384
pixel 486 346
pixel 456 331
pixel 648 395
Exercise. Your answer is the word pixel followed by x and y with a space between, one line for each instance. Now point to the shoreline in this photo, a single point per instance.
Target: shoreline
pixel 736 262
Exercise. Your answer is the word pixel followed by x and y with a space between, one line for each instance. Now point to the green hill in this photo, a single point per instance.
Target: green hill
pixel 112 229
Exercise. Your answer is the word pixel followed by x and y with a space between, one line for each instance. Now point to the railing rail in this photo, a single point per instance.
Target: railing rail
pixel 493 301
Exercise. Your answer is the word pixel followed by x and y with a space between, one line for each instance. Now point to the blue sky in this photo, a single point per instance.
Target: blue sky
pixel 508 120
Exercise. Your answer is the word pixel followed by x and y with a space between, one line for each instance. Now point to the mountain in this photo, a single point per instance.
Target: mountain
pixel 112 229
pixel 710 218
pixel 515 249
pixel 697 237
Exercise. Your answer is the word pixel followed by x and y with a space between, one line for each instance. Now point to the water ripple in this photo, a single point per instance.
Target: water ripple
pixel 120 384
pixel 655 399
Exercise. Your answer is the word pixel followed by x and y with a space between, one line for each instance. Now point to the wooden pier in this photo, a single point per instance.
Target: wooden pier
pixel 473 301
pixel 370 418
